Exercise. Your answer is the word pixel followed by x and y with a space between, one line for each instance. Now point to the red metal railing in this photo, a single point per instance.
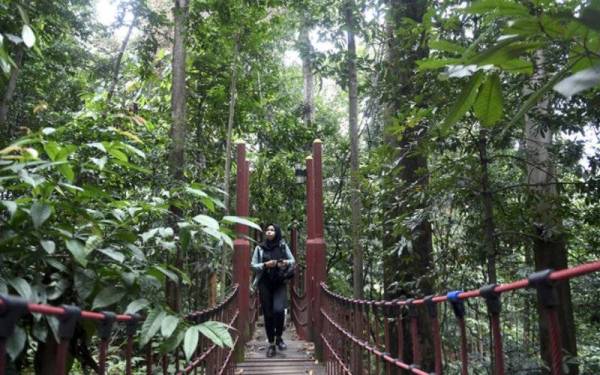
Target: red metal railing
pixel 352 328
pixel 207 356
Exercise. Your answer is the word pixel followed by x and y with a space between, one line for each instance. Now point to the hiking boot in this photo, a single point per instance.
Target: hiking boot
pixel 271 351
pixel 280 344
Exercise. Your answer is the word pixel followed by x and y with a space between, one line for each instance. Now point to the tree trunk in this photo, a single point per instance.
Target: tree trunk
pixel 10 90
pixel 488 209
pixel 357 252
pixel 117 67
pixel 307 73
pixel 178 131
pixel 408 251
pixel 227 184
pixel 549 247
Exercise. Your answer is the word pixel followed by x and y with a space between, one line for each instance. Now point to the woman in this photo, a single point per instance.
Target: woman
pixel 269 259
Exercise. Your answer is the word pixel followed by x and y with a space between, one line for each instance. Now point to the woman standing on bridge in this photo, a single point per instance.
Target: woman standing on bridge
pixel 269 261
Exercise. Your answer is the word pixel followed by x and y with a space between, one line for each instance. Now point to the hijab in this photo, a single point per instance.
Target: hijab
pixel 273 244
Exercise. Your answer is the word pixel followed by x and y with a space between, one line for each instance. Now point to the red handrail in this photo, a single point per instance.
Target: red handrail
pixel 337 307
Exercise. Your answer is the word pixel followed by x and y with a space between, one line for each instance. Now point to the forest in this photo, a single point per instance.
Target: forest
pixel 460 148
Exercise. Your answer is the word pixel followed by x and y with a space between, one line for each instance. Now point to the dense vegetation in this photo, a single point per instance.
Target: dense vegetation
pixel 460 149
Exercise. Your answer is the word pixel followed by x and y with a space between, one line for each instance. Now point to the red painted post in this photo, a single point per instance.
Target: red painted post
pixel 310 225
pixel 241 258
pixel 317 243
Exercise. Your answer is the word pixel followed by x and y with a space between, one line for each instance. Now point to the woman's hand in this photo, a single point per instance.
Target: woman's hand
pixel 271 264
pixel 282 263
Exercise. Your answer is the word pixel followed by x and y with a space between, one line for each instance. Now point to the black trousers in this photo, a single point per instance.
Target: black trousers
pixel 273 299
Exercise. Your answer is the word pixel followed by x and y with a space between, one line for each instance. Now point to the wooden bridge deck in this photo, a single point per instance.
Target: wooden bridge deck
pixel 297 359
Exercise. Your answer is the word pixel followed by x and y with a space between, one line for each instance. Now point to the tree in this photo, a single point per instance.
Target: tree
pixel 408 258
pixel 178 127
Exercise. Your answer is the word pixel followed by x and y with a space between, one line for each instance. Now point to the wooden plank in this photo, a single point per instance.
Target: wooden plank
pixel 297 359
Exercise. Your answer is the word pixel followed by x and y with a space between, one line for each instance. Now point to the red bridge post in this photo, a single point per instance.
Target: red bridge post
pixel 309 282
pixel 241 253
pixel 315 245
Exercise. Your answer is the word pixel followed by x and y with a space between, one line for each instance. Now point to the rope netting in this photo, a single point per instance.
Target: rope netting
pixel 356 333
pixel 208 357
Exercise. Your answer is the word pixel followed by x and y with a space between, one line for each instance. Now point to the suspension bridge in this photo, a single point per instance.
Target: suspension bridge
pixel 349 336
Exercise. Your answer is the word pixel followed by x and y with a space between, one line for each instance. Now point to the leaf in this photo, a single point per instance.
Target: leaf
pixel 151 325
pixel 11 207
pixel 464 102
pixel 28 36
pixel 108 296
pixel 113 254
pixel 137 305
pixel 22 287
pixel 149 234
pixel 118 154
pixel 168 325
pixel 503 8
pixel 428 64
pixel 39 213
pixel 446 46
pixel 173 342
pixel 196 192
pixel 210 334
pixel 100 162
pixel 66 170
pixel 48 245
pixel 170 274
pixel 578 82
pixel 137 252
pixel 77 249
pixel 97 145
pixel 190 342
pixel 220 330
pixel 242 221
pixel 489 104
pixel 206 221
pixel 165 232
pixel 85 281
pixel 16 343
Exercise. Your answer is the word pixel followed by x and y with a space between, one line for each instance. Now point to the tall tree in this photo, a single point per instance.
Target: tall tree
pixel 178 126
pixel 352 81
pixel 549 245
pixel 408 248
pixel 228 147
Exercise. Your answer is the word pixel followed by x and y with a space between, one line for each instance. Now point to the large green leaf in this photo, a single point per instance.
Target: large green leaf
pixel 217 332
pixel 151 325
pixel 10 206
pixel 77 249
pixel 22 287
pixel 108 296
pixel 206 221
pixel 16 343
pixel 39 213
pixel 48 245
pixel 168 326
pixel 242 221
pixel 137 305
pixel 28 36
pixel 447 46
pixel 429 64
pixel 190 342
pixel 488 106
pixel 464 102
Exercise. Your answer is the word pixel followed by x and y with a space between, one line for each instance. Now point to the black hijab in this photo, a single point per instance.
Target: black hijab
pixel 270 245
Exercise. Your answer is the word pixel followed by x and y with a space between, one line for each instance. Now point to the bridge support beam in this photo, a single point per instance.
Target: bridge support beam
pixel 316 260
pixel 241 245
